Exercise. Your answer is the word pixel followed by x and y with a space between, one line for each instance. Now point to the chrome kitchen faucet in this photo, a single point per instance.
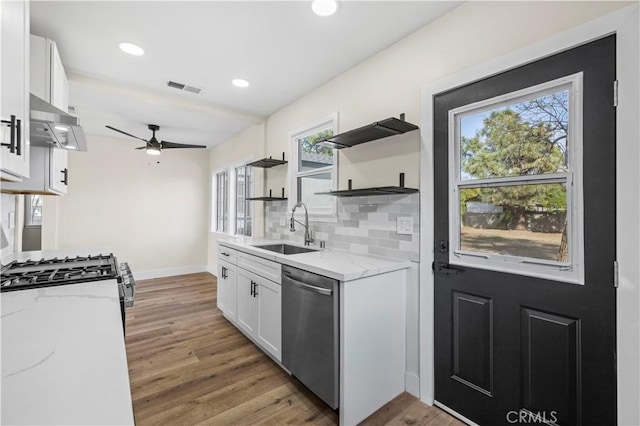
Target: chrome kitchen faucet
pixel 308 239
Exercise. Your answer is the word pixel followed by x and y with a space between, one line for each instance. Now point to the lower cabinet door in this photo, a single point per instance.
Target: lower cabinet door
pixel 221 284
pixel 230 289
pixel 270 317
pixel 246 302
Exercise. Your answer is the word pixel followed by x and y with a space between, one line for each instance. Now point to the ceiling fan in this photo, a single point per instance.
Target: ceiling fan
pixel 154 146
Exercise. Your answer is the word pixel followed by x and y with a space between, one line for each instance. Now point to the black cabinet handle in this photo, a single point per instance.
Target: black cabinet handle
pixel 224 253
pixel 65 172
pixel 252 291
pixel 224 273
pixel 19 138
pixel 12 142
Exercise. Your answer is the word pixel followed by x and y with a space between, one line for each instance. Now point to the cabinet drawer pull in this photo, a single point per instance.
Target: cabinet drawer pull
pixel 12 141
pixel 65 173
pixel 224 253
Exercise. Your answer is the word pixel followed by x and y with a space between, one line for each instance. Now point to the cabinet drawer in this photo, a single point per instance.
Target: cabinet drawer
pixel 227 254
pixel 263 267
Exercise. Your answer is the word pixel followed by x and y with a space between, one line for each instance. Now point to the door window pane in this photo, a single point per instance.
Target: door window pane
pixel 520 139
pixel 517 220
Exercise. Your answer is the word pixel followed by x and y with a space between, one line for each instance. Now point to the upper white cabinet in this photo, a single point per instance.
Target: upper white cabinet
pixel 14 110
pixel 49 173
pixel 48 78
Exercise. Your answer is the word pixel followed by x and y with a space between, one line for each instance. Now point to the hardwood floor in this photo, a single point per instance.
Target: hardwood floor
pixel 189 366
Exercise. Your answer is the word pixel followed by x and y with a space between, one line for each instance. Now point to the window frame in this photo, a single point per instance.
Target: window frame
pixel 247 193
pixel 327 214
pixel 571 271
pixel 28 210
pixel 225 202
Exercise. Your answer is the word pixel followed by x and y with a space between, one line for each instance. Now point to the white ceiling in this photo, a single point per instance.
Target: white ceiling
pixel 282 48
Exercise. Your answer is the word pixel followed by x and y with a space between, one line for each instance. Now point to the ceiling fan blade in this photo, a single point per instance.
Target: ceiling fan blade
pixel 169 145
pixel 142 147
pixel 124 133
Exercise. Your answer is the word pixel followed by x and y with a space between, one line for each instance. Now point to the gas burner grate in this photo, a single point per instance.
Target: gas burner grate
pixel 55 271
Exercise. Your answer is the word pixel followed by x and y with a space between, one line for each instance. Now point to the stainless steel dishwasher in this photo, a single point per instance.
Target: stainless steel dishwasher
pixel 310 332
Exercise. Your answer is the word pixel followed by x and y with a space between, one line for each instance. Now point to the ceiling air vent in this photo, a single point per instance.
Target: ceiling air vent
pixel 184 87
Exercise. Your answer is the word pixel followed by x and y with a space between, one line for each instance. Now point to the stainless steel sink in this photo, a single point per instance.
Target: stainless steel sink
pixel 285 248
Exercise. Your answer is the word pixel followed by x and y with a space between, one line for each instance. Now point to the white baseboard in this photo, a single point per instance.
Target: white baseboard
pixel 455 413
pixel 169 272
pixel 412 384
pixel 213 270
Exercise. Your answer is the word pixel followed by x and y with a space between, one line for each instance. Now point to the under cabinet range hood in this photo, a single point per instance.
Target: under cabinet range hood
pixel 52 126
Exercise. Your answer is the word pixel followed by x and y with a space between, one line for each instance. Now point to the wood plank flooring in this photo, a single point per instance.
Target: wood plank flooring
pixel 189 366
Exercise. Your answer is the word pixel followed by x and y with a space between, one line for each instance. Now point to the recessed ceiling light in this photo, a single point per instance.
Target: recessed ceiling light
pixel 239 82
pixel 324 7
pixel 131 49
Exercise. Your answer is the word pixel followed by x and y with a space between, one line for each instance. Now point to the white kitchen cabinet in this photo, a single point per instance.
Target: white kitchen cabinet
pixel 247 303
pixel 227 289
pixel 14 110
pixel 269 314
pixel 260 311
pixel 48 78
pixel 49 173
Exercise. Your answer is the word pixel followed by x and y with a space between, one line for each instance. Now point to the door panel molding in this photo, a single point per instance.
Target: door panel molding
pixel 472 355
pixel 551 344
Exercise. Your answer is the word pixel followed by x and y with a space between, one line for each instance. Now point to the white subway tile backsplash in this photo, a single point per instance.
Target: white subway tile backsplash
pixel 365 225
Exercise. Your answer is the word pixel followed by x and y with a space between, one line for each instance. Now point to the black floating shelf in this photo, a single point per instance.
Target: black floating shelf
pixel 269 198
pixel 266 199
pixel 383 190
pixel 378 130
pixel 267 163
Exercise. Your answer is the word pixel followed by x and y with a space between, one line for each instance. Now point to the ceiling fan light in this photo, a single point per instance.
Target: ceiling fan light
pixel 324 7
pixel 153 150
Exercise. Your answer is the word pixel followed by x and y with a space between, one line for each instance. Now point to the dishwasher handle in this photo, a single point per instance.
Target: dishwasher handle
pixel 313 288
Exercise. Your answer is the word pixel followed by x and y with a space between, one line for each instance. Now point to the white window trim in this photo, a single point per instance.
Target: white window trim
pixel 232 196
pixel 569 272
pixel 329 214
pixel 214 204
pixel 231 176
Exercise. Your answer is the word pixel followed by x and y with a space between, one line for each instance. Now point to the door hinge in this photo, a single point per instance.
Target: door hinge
pixel 615 93
pixel 616 274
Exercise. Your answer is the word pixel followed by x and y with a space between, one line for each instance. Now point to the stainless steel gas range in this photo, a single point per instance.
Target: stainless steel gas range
pixel 28 274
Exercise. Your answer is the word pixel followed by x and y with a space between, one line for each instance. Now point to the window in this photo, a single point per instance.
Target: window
pixel 313 168
pixel 33 210
pixel 244 190
pixel 222 197
pixel 515 182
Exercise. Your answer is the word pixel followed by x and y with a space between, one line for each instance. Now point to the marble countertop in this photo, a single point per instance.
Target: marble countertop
pixel 340 265
pixel 63 356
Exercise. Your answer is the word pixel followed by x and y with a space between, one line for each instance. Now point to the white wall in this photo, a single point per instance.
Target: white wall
pixel 153 216
pixel 245 147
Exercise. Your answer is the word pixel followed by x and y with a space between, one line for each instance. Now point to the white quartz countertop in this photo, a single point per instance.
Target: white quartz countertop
pixel 340 265
pixel 63 356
